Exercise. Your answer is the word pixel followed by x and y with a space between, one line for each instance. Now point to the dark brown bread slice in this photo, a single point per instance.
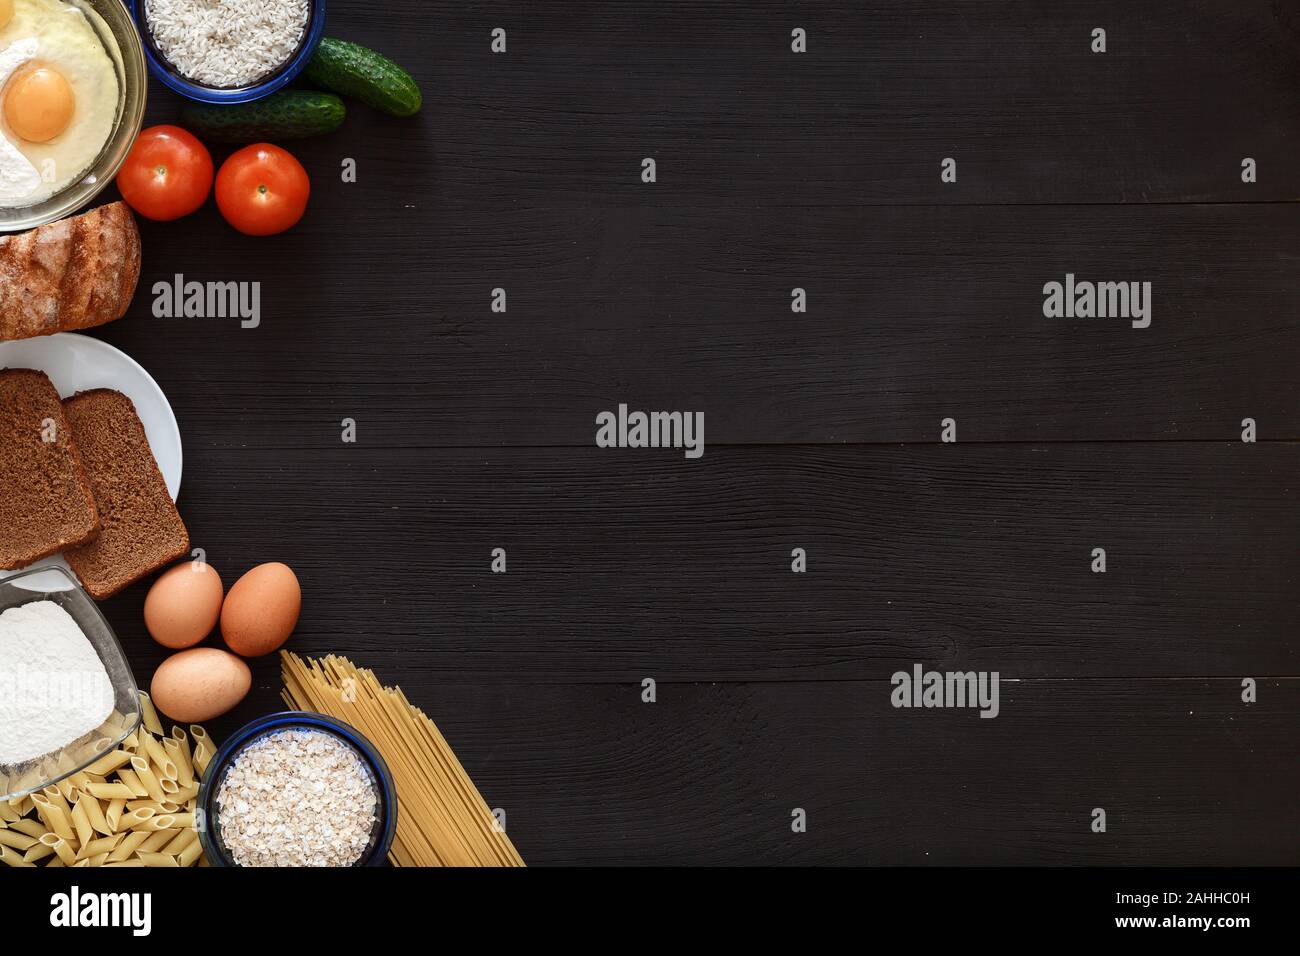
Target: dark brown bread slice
pixel 45 499
pixel 142 531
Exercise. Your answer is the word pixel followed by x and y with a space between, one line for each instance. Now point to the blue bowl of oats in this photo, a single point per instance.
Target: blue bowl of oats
pixel 297 789
pixel 228 51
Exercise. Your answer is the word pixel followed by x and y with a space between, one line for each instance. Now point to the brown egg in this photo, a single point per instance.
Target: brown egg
pixel 199 684
pixel 183 605
pixel 261 610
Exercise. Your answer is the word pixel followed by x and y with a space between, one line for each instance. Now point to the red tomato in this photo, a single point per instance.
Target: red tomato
pixel 262 190
pixel 167 174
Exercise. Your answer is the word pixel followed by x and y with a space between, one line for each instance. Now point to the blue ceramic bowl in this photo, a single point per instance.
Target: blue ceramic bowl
pixel 381 836
pixel 164 71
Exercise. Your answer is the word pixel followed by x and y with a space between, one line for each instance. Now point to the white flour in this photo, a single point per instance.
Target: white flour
pixel 53 686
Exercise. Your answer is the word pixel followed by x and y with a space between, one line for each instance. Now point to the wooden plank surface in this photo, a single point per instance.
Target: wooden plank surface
pixel 1009 88
pixel 620 564
pixel 710 773
pixel 914 315
pixel 776 170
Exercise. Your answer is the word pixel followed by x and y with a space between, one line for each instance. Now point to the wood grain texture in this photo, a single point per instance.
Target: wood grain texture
pixel 710 773
pixel 775 170
pixel 915 315
pixel 887 90
pixel 623 563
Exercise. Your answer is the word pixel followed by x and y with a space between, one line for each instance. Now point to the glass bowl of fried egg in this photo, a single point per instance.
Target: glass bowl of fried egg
pixel 72 90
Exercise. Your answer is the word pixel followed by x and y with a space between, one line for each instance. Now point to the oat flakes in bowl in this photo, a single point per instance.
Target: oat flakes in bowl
pixel 298 789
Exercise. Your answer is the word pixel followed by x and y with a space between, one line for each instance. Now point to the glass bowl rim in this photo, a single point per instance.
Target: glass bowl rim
pixel 117 147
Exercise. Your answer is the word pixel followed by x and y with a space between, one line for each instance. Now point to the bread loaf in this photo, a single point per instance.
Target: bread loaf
pixel 71 274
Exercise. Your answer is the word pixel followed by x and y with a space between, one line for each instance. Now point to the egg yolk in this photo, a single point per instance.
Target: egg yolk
pixel 38 104
pixel 6 12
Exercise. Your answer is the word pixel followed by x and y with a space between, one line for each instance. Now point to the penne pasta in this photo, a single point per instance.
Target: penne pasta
pixel 130 780
pixel 81 823
pixel 110 791
pixel 163 821
pixel 179 842
pixel 95 814
pixel 32 828
pixel 134 805
pixel 130 843
pixel 178 750
pixel 157 806
pixel 55 796
pixel 157 840
pixel 11 857
pixel 184 794
pixel 204 750
pixel 113 813
pixel 18 841
pixel 202 757
pixel 147 779
pixel 104 845
pixel 56 821
pixel 199 735
pixel 61 848
pixel 191 854
pixel 108 763
pixel 38 852
pixel 164 766
pixel 149 716
pixel 65 789
pixel 157 859
pixel 136 817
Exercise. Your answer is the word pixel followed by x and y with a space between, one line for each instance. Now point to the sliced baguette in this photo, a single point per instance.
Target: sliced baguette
pixel 142 531
pixel 45 499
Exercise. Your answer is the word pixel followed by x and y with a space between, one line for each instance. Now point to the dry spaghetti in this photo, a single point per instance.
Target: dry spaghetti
pixel 442 819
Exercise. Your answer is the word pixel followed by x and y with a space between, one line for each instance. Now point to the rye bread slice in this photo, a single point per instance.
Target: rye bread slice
pixel 45 499
pixel 142 531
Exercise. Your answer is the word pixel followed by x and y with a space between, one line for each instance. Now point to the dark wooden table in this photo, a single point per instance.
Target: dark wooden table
pixel 776 170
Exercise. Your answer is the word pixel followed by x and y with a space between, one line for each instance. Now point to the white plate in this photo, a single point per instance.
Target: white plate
pixel 76 363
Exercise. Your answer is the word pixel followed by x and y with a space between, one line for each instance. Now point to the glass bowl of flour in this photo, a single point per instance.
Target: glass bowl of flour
pixel 67 695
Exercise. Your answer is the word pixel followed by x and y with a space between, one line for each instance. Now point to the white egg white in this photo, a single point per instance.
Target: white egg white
pixel 19 179
pixel 64 41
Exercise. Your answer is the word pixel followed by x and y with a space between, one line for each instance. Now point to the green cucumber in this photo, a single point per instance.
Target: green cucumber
pixel 291 114
pixel 359 72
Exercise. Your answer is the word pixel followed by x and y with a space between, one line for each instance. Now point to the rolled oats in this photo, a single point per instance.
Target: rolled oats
pixel 297 798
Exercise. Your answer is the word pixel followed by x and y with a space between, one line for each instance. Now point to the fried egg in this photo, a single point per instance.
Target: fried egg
pixel 58 98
